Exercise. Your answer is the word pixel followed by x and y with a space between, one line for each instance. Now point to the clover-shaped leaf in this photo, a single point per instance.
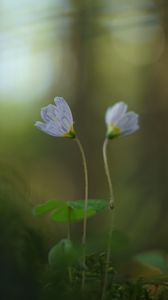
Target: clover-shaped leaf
pixel 62 211
pixel 74 214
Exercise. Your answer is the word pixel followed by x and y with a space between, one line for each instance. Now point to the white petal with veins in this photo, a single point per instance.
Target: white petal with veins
pixel 58 120
pixel 115 112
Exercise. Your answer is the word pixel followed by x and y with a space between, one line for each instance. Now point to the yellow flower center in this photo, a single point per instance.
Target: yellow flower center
pixel 71 133
pixel 113 131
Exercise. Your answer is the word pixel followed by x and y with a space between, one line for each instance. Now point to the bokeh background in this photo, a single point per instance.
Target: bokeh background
pixel 93 53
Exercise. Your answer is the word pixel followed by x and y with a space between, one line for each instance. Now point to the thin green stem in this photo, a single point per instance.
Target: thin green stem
pixel 85 208
pixel 69 224
pixel 107 171
pixel 107 262
pixel 111 205
pixel 69 238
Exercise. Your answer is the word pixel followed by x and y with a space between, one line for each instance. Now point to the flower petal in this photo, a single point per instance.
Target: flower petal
pixel 63 109
pixel 130 130
pixel 129 123
pixel 128 120
pixel 50 128
pixel 49 113
pixel 115 112
pixel 40 125
pixel 55 129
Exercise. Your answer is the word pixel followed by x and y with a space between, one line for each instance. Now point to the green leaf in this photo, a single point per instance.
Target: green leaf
pixel 48 206
pixel 75 214
pixel 63 254
pixel 62 211
pixel 153 259
pixel 77 210
pixel 96 205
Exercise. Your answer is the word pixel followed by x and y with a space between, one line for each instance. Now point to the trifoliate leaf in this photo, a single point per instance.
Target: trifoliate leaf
pixel 63 211
pixel 63 215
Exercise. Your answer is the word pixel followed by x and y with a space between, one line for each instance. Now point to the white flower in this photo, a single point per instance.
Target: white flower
pixel 57 119
pixel 119 121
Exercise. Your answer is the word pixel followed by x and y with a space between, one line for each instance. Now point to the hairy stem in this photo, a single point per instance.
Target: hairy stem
pixel 85 208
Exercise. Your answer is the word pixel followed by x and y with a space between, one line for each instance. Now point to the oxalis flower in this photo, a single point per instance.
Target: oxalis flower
pixel 119 121
pixel 58 122
pixel 57 119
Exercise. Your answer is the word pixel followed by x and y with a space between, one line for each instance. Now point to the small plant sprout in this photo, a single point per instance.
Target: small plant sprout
pixel 119 122
pixel 58 122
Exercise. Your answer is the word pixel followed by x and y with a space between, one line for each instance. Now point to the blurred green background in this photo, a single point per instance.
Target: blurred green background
pixel 92 53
